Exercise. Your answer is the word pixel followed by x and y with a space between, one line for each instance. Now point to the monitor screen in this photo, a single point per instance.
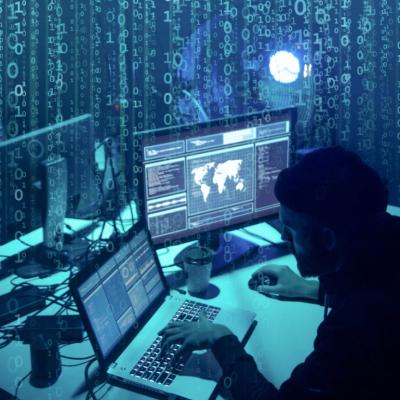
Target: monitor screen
pixel 213 176
pixel 118 293
pixel 21 175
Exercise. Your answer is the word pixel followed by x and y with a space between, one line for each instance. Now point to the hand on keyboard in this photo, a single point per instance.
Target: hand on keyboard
pixel 191 325
pixel 197 335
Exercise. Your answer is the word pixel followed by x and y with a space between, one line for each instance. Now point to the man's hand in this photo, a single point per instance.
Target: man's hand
pixel 198 335
pixel 288 284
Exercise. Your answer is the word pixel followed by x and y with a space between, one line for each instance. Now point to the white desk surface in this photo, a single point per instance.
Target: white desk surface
pixel 282 338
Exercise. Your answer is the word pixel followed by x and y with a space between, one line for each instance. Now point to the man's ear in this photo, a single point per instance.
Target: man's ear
pixel 329 239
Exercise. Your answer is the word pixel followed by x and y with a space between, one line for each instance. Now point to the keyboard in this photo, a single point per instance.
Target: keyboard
pixel 161 367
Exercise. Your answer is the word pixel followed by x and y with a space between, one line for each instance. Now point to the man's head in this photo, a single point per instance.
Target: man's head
pixel 324 197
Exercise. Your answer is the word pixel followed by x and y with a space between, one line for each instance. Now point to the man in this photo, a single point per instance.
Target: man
pixel 333 211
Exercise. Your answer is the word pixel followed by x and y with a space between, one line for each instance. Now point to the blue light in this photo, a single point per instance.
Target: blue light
pixel 284 67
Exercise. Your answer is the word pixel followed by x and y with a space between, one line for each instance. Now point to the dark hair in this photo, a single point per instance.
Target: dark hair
pixel 334 185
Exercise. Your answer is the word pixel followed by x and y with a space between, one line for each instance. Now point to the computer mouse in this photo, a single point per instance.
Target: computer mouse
pixel 262 279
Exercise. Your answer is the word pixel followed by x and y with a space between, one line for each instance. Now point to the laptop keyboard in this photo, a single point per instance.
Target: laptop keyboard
pixel 160 367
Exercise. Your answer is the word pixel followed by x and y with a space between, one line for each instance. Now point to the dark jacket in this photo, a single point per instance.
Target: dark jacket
pixel 357 349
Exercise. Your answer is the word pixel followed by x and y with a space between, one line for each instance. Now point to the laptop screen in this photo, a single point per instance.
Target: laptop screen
pixel 120 291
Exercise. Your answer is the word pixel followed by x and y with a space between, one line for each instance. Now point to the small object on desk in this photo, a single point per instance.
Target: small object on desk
pixel 66 328
pixel 44 333
pixel 20 302
pixel 197 265
pixel 262 279
pixel 45 360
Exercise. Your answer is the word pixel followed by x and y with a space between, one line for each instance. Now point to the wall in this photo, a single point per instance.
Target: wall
pixel 138 65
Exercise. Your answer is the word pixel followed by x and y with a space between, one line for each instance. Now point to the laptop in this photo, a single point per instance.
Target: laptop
pixel 124 302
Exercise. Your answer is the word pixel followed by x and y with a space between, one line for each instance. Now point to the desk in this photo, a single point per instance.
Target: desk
pixel 282 338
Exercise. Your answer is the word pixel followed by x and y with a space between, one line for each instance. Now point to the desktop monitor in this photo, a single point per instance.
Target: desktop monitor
pixel 50 167
pixel 212 177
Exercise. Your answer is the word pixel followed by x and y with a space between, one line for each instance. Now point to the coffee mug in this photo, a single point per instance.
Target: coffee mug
pixel 197 263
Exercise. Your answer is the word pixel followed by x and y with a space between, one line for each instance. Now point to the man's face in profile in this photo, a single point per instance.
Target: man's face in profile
pixel 305 242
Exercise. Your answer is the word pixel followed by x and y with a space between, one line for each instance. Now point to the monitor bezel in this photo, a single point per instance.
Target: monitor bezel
pixel 138 139
pixel 133 331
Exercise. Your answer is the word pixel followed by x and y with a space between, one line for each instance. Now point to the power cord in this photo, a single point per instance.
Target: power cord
pixel 88 358
pixel 24 243
pixel 77 364
pixel 90 393
pixel 20 383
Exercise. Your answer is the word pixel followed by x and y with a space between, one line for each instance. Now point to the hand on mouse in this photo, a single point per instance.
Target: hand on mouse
pixel 282 281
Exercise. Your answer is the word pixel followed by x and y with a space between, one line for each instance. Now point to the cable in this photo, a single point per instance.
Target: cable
pixel 24 243
pixel 5 343
pixel 101 387
pixel 54 300
pixel 25 281
pixel 78 358
pixel 67 300
pixel 66 307
pixel 85 339
pixel 78 364
pixel 51 300
pixel 20 383
pixel 92 244
pixel 35 246
pixel 88 384
pixel 68 226
pixel 102 231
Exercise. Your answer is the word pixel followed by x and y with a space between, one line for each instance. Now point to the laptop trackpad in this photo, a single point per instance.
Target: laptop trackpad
pixel 203 364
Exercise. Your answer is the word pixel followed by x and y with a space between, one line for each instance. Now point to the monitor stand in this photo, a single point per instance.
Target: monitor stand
pixel 46 258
